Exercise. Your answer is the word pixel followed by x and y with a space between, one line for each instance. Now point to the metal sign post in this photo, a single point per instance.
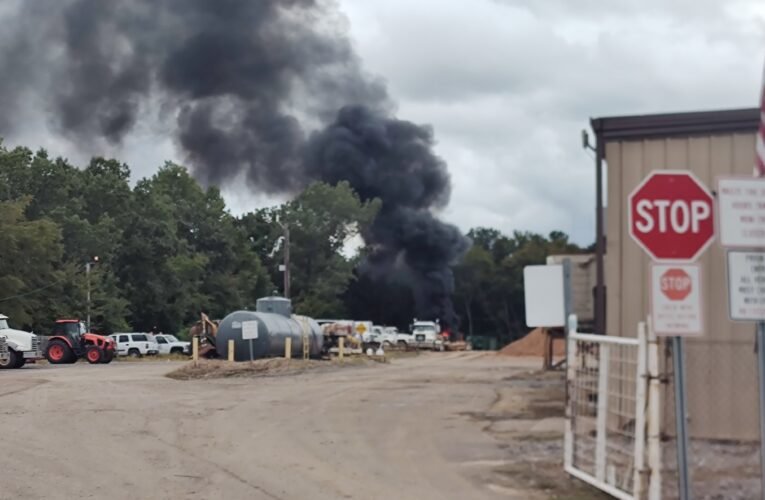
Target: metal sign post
pixel 250 333
pixel 681 417
pixel 746 302
pixel 741 216
pixel 676 313
pixel 761 370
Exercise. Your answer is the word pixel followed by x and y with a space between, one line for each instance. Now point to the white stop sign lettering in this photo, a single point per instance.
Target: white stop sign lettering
pixel 678 283
pixel 678 215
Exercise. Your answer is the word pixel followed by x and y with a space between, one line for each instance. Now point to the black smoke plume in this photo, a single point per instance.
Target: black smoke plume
pixel 269 91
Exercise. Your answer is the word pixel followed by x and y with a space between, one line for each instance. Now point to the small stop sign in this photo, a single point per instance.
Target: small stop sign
pixel 671 216
pixel 676 284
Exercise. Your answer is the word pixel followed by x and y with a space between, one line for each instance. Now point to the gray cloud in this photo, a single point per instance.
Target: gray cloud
pixel 506 84
pixel 509 84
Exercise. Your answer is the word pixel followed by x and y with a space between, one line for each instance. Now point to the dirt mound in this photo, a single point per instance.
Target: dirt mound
pixel 271 367
pixel 533 344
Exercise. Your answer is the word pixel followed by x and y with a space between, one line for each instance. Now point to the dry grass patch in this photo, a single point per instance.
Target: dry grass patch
pixel 270 367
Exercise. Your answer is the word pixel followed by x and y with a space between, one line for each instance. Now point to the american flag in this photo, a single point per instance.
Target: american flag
pixel 759 163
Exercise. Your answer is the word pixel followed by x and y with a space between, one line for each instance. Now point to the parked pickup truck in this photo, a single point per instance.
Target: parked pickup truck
pixel 22 346
pixel 135 345
pixel 169 344
pixel 392 337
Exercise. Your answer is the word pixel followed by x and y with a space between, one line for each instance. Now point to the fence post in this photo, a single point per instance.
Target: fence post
pixel 195 349
pixel 654 415
pixel 602 415
pixel 568 435
pixel 641 380
pixel 231 350
pixel 288 348
pixel 341 348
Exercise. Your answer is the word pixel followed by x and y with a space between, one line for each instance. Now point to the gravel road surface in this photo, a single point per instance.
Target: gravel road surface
pixel 401 430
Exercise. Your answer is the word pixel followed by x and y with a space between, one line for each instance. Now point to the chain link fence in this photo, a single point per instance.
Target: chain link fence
pixel 723 420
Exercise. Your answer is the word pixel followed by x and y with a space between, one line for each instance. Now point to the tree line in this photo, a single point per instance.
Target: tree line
pixel 168 249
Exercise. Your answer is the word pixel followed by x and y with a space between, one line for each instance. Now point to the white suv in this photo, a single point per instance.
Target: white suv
pixel 135 344
pixel 169 344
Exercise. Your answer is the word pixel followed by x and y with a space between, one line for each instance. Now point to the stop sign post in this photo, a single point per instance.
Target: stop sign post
pixel 671 216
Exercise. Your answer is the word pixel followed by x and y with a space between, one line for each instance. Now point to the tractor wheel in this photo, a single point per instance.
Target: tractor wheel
pixel 108 357
pixel 13 357
pixel 58 353
pixel 94 354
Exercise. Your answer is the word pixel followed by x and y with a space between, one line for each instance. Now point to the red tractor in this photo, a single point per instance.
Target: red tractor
pixel 70 341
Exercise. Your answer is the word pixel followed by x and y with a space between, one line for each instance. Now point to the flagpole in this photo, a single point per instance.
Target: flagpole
pixel 759 171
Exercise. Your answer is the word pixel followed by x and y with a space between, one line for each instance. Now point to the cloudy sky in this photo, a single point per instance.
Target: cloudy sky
pixel 508 85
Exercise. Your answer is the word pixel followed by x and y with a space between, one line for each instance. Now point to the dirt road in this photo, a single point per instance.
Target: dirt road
pixel 408 429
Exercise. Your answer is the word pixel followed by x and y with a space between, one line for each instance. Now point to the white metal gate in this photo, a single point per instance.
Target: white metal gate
pixel 606 414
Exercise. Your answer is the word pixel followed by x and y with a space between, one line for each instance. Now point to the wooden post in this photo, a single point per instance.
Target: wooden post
pixel 638 482
pixel 288 348
pixel 341 348
pixel 602 413
pixel 654 415
pixel 571 399
pixel 231 349
pixel 195 349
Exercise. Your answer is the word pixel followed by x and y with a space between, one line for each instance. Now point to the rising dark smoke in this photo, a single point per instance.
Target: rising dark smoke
pixel 244 82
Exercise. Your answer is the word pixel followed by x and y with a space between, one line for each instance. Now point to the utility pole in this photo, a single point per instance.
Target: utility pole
pixel 286 262
pixel 88 265
pixel 286 266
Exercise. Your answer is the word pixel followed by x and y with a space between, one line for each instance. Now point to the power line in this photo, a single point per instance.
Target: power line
pixel 32 291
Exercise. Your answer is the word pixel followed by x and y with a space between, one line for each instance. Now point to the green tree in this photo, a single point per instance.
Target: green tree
pixel 472 277
pixel 30 272
pixel 322 220
pixel 489 280
pixel 182 254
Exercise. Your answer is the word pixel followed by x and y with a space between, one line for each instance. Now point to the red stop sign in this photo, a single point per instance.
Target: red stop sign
pixel 671 215
pixel 675 284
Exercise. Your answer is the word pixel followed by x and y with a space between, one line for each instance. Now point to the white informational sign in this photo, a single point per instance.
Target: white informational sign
pixel 741 202
pixel 543 289
pixel 249 330
pixel 746 285
pixel 676 300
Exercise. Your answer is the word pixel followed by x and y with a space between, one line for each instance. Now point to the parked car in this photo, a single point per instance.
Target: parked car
pixel 135 344
pixel 392 337
pixel 169 344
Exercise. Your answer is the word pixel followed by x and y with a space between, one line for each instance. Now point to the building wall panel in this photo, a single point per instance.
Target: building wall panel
pixel 721 366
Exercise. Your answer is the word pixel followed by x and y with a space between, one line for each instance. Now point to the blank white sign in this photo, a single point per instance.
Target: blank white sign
pixel 545 296
pixel 249 330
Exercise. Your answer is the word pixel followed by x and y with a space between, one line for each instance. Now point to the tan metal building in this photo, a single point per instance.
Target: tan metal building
pixel 721 366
